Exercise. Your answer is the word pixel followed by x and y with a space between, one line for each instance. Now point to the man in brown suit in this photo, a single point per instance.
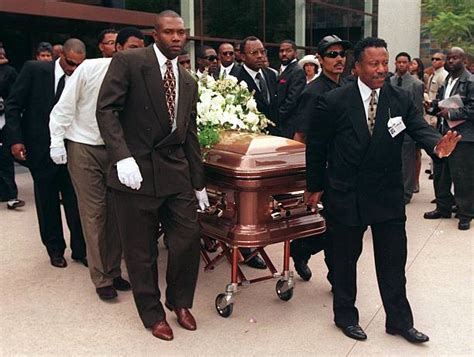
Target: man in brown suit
pixel 146 113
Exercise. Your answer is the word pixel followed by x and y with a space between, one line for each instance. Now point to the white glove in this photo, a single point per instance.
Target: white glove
pixel 58 155
pixel 202 198
pixel 129 173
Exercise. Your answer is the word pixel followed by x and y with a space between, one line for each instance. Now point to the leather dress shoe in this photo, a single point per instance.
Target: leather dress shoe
pixel 302 268
pixel 185 319
pixel 121 284
pixel 464 223
pixel 58 262
pixel 82 261
pixel 355 332
pixel 411 335
pixel 106 292
pixel 162 331
pixel 257 263
pixel 436 214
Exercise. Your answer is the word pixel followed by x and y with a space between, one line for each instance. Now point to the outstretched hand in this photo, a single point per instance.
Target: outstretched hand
pixel 447 144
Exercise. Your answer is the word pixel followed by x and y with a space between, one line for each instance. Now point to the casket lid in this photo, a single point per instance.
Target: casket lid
pixel 248 155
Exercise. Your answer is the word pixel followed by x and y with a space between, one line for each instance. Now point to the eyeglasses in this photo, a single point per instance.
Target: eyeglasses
pixel 110 42
pixel 211 58
pixel 228 53
pixel 334 54
pixel 71 63
pixel 261 51
pixel 436 59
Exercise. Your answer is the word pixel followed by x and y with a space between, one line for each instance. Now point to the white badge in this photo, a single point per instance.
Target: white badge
pixel 395 126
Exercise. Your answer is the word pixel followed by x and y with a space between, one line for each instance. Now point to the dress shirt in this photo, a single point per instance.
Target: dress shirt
pixel 449 87
pixel 435 81
pixel 58 73
pixel 253 74
pixel 365 93
pixel 73 117
pixel 226 70
pixel 283 66
pixel 162 63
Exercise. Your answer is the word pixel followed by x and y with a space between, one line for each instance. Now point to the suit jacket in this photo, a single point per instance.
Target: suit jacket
pixel 27 115
pixel 133 120
pixel 465 88
pixel 290 86
pixel 270 110
pixel 413 85
pixel 360 174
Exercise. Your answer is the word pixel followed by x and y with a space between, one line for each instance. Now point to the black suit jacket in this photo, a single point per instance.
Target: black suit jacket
pixel 270 110
pixel 133 121
pixel 360 174
pixel 27 115
pixel 290 86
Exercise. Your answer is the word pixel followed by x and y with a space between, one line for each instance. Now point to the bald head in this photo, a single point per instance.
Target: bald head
pixel 74 45
pixel 164 14
pixel 74 53
pixel 455 61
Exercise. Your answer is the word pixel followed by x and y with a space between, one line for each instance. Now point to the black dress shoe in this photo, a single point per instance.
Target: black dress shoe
pixel 106 292
pixel 257 263
pixel 82 261
pixel 464 223
pixel 302 268
pixel 355 332
pixel 121 284
pixel 58 262
pixel 435 214
pixel 411 335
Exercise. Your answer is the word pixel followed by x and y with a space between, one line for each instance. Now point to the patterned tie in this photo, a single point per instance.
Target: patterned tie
pixel 372 111
pixel 170 91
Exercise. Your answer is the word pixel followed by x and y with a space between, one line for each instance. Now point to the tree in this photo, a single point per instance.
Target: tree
pixel 450 23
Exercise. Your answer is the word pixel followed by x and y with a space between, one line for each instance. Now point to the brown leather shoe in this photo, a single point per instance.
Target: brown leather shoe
pixel 185 319
pixel 58 262
pixel 162 330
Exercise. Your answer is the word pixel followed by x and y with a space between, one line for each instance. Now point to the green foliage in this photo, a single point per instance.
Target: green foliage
pixel 451 22
pixel 208 135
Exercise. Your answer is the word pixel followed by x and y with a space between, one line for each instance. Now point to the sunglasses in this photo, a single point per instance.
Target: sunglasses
pixel 228 53
pixel 71 63
pixel 211 58
pixel 436 59
pixel 334 54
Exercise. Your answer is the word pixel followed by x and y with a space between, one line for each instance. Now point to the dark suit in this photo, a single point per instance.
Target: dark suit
pixel 27 114
pixel 361 178
pixel 458 168
pixel 133 120
pixel 290 86
pixel 269 109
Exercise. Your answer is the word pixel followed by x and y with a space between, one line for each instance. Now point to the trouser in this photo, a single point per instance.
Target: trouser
pixel 138 218
pixel 88 165
pixel 47 201
pixel 457 169
pixel 390 251
pixel 408 166
pixel 8 189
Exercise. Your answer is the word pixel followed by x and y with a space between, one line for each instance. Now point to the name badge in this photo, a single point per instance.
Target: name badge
pixel 395 126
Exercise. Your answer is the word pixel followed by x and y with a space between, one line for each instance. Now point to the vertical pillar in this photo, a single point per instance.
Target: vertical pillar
pixel 300 24
pixel 187 13
pixel 368 7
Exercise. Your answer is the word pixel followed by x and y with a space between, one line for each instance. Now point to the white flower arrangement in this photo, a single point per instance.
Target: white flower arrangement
pixel 225 104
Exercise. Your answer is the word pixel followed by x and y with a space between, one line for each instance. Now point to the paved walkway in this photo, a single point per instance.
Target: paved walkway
pixel 50 311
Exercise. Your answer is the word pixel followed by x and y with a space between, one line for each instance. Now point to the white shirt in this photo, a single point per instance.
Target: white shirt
pixel 253 74
pixel 283 67
pixel 58 73
pixel 449 87
pixel 73 117
pixel 162 63
pixel 365 93
pixel 226 70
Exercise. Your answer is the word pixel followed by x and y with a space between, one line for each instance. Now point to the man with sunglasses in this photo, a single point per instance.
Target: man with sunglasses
pixel 228 66
pixel 36 90
pixel 332 58
pixel 107 40
pixel 207 61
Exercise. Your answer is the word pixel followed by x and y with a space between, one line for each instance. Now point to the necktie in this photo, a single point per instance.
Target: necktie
pixel 170 91
pixel 399 81
pixel 59 88
pixel 263 88
pixel 372 111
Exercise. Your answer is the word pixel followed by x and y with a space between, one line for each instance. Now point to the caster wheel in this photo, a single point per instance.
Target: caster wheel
pixel 282 290
pixel 223 309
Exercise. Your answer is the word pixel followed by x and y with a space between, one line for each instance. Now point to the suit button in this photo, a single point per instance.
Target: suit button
pixel 148 129
pixel 169 151
pixel 147 107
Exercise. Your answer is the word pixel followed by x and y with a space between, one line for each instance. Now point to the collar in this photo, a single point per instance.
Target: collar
pixel 162 58
pixel 229 67
pixel 283 67
pixel 58 70
pixel 403 76
pixel 253 73
pixel 365 91
pixel 327 79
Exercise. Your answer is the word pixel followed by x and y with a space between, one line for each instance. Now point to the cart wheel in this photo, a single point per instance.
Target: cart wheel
pixel 224 309
pixel 283 291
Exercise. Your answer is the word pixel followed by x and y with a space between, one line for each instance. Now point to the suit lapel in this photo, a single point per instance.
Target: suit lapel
pixel 381 118
pixel 252 85
pixel 357 115
pixel 183 98
pixel 49 83
pixel 155 88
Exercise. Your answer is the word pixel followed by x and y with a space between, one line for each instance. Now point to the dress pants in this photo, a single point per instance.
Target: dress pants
pixel 47 190
pixel 88 166
pixel 138 218
pixel 390 250
pixel 408 166
pixel 8 189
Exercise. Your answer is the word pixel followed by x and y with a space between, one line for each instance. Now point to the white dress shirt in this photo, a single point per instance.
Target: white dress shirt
pixel 283 66
pixel 58 73
pixel 365 93
pixel 226 70
pixel 162 63
pixel 449 87
pixel 73 117
pixel 253 74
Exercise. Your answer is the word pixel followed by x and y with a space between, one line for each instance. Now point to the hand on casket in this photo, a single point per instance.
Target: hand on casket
pixel 312 199
pixel 203 200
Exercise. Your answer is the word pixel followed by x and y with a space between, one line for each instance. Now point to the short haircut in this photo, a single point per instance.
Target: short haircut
pixel 102 34
pixel 360 46
pixel 290 42
pixel 201 52
pixel 243 44
pixel 443 55
pixel 44 47
pixel 166 13
pixel 127 32
pixel 458 49
pixel 403 54
pixel 74 45
pixel 224 43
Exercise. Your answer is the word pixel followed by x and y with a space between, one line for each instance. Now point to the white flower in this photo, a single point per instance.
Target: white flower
pixel 243 84
pixel 252 118
pixel 252 104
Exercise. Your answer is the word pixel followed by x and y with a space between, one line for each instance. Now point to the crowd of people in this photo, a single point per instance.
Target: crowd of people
pixel 114 140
